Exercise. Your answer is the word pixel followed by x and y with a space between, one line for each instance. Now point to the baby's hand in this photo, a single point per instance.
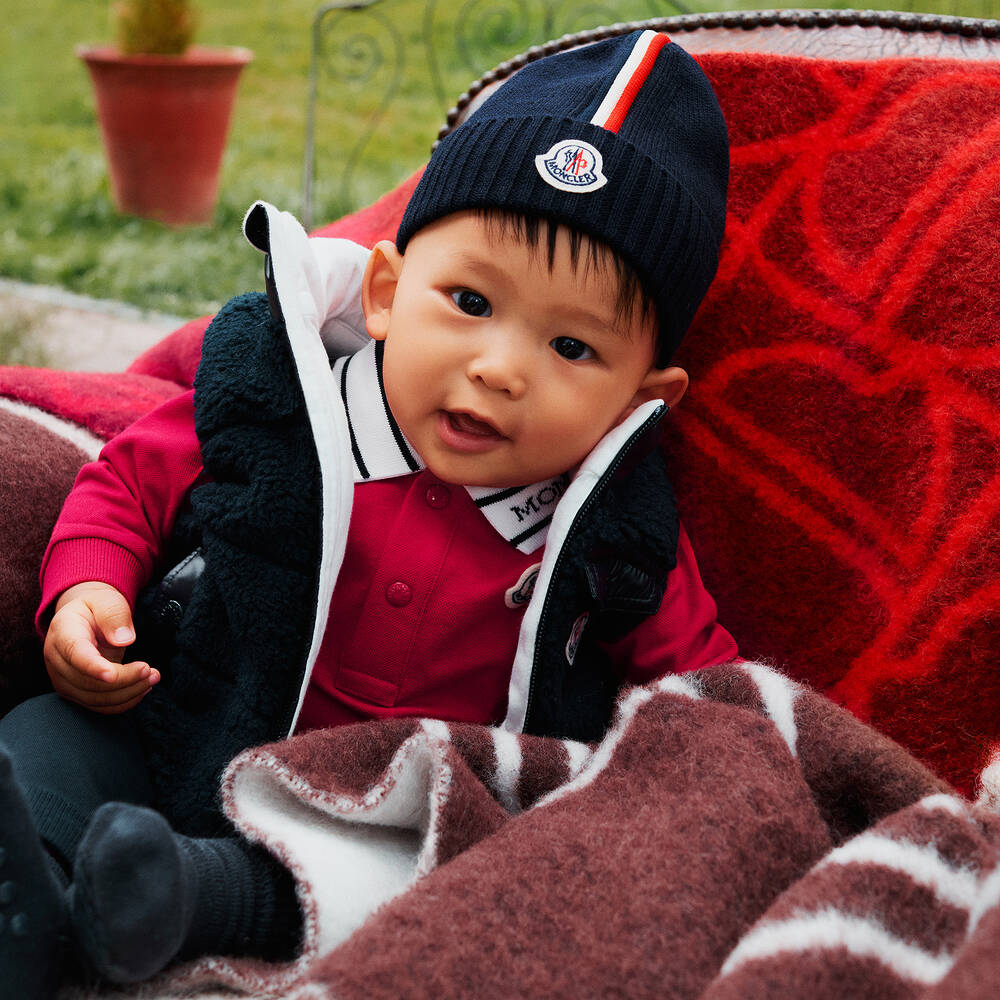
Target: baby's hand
pixel 84 648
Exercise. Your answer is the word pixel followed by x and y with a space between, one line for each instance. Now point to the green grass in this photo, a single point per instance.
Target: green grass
pixel 57 224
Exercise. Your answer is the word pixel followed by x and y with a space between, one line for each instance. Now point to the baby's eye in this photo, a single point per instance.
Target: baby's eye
pixel 471 302
pixel 571 349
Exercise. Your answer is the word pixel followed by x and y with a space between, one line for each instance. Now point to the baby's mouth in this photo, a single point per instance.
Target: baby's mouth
pixel 465 434
pixel 465 423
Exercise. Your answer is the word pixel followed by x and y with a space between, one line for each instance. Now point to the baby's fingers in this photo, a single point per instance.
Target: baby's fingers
pixel 119 699
pixel 109 701
pixel 131 683
pixel 128 675
pixel 70 646
pixel 71 652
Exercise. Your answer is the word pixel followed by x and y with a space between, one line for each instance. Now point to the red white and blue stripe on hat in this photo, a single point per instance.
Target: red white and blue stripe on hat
pixel 627 84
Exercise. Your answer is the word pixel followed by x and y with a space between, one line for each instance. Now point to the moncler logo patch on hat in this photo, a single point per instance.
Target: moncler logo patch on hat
pixel 572 165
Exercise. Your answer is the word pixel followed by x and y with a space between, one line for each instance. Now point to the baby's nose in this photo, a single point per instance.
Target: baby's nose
pixel 501 369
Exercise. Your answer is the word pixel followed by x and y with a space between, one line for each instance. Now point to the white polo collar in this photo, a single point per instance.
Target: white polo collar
pixel 520 514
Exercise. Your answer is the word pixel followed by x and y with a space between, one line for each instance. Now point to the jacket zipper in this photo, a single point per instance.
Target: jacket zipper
pixel 582 512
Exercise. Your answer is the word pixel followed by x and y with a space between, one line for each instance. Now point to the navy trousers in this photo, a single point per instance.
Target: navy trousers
pixel 68 762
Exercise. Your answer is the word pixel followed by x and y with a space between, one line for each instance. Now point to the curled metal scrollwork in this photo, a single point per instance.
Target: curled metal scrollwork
pixel 478 32
pixel 363 53
pixel 484 32
pixel 568 17
pixel 359 49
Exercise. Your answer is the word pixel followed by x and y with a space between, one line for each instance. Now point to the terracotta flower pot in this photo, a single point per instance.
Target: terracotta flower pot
pixel 164 120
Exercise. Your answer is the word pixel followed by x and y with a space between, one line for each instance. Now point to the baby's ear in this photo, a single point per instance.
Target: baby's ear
pixel 378 287
pixel 668 384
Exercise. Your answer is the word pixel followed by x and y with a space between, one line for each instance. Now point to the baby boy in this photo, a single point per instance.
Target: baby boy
pixel 464 517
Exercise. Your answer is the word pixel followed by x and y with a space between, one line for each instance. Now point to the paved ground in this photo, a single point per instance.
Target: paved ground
pixel 82 334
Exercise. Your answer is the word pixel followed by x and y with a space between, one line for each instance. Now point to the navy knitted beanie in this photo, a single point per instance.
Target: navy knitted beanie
pixel 622 140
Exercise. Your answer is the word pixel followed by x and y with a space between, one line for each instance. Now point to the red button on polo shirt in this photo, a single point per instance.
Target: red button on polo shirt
pixel 398 594
pixel 438 496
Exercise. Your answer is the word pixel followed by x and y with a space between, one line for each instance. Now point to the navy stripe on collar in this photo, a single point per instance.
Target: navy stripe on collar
pixel 359 461
pixel 404 448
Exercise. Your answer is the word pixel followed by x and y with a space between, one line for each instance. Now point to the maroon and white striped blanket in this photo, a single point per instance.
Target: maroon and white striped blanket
pixel 735 835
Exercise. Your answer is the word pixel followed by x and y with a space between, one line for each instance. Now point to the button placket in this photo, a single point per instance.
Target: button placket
pixel 374 661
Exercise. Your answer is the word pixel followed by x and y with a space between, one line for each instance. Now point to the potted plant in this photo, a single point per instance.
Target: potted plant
pixel 164 106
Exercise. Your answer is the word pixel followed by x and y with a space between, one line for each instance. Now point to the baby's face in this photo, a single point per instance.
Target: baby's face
pixel 499 371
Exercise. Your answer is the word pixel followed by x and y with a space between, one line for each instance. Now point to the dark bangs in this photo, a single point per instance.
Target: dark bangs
pixel 632 302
